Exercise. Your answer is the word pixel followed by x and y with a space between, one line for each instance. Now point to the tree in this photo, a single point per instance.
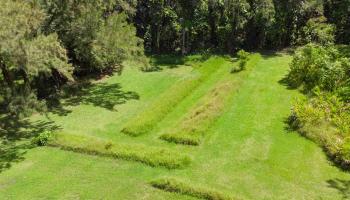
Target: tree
pixel 82 27
pixel 26 54
pixel 338 13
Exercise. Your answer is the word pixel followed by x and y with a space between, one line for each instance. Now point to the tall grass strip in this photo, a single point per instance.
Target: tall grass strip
pixel 191 129
pixel 152 156
pixel 146 120
pixel 181 187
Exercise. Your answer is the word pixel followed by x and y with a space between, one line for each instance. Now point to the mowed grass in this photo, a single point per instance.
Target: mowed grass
pixel 153 156
pixel 197 121
pixel 247 152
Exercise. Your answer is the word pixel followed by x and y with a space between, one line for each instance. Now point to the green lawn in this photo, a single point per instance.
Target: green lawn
pixel 246 150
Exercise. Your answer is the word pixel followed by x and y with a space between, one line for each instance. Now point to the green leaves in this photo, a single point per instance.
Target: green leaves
pixel 116 42
pixel 314 65
pixel 44 54
pixel 26 54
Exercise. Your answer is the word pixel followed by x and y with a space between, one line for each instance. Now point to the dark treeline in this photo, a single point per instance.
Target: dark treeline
pixel 46 43
pixel 227 25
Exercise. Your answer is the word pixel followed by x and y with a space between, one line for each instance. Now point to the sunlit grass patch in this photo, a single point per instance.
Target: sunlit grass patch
pixel 181 187
pixel 146 120
pixel 191 129
pixel 152 156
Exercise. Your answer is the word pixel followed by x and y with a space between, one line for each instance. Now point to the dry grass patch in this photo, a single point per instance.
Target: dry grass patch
pixel 152 156
pixel 190 130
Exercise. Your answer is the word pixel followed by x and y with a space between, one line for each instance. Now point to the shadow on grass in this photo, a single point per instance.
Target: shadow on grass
pixel 343 186
pixel 15 137
pixel 100 95
pixel 173 61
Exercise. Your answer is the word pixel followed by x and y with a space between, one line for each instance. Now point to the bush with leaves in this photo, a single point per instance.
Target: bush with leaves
pixel 42 139
pixel 319 66
pixel 317 30
pixel 116 42
pixel 325 119
pixel 243 57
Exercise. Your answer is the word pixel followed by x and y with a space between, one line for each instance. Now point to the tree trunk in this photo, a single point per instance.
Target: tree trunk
pixel 183 49
pixel 7 75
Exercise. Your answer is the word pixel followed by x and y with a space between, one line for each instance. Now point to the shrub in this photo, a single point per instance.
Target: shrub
pixel 181 187
pixel 42 139
pixel 318 66
pixel 325 119
pixel 243 57
pixel 317 30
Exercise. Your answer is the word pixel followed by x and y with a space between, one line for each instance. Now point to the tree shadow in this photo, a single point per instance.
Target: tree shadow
pixel 285 81
pixel 174 61
pixel 100 95
pixel 343 186
pixel 15 138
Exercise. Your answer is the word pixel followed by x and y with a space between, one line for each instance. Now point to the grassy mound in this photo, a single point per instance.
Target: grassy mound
pixel 152 156
pixel 174 185
pixel 147 119
pixel 190 130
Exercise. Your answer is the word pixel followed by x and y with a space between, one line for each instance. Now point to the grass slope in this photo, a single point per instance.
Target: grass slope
pixel 252 154
pixel 248 152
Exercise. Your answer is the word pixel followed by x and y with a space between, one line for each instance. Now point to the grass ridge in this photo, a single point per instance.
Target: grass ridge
pixel 152 156
pixel 181 187
pixel 190 130
pixel 147 119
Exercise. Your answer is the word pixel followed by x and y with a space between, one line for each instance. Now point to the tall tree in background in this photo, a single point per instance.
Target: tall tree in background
pixel 338 13
pixel 93 34
pixel 260 22
pixel 158 23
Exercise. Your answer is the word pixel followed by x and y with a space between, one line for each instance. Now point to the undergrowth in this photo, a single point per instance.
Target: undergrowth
pixel 152 156
pixel 325 119
pixel 146 120
pixel 181 187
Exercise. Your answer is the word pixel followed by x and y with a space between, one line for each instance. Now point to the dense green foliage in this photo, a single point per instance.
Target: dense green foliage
pixel 323 73
pixel 26 55
pixel 188 26
pixel 318 66
pixel 95 34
